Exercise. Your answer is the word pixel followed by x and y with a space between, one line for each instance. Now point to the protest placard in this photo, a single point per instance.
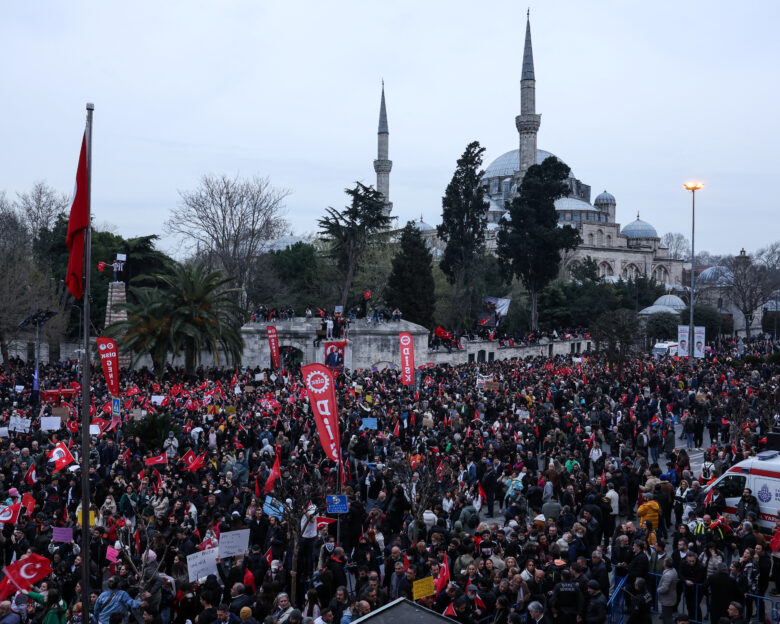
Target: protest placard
pixel 201 564
pixel 17 423
pixel 50 423
pixel 62 534
pixel 423 588
pixel 111 554
pixel 232 543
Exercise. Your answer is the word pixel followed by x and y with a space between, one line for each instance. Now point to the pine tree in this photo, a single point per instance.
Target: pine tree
pixel 530 242
pixel 410 287
pixel 462 228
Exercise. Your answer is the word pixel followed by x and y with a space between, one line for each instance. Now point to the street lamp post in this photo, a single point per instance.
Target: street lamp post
pixel 692 187
pixel 39 318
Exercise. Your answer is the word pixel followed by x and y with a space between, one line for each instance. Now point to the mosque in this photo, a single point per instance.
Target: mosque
pixel 618 252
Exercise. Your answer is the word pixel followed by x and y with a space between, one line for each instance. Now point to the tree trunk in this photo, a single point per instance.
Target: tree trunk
pixel 294 584
pixel 748 323
pixel 4 350
pixel 534 309
pixel 348 285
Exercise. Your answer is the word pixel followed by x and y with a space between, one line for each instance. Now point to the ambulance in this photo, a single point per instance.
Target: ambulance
pixel 762 475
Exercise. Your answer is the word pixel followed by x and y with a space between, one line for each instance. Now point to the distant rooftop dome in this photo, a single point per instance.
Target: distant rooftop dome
pixel 604 199
pixel 657 309
pixel 671 301
pixel 423 226
pixel 572 203
pixel 714 276
pixel 639 229
pixel 507 164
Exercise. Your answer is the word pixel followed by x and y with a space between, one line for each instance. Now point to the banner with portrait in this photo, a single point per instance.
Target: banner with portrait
pixel 682 340
pixel 335 354
pixel 698 342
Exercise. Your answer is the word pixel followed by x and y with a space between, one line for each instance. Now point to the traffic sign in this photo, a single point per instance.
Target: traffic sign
pixel 115 406
pixel 337 504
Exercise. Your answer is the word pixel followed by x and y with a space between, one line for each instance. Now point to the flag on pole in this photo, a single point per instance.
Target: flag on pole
pixel 276 472
pixel 444 576
pixel 157 459
pixel 269 556
pixel 77 223
pixel 323 521
pixel 61 457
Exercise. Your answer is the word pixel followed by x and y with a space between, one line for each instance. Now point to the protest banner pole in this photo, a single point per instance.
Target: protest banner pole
pixel 85 384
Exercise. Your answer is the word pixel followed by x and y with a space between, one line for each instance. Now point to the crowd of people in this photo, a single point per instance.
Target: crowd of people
pixel 530 498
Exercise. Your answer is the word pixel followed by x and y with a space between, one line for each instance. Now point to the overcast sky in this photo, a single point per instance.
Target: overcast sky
pixel 635 97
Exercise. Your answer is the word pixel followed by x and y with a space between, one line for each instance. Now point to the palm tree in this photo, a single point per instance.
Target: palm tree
pixel 147 329
pixel 204 315
pixel 191 310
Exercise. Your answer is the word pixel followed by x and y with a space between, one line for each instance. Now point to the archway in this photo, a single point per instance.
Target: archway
pixel 291 356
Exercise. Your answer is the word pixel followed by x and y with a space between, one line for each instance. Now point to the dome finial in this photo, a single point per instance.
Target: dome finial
pixel 637 215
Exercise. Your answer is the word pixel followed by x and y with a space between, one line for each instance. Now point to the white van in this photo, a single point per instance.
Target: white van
pixel 661 349
pixel 762 475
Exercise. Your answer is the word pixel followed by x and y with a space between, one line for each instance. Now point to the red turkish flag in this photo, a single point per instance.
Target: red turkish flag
pixel 444 576
pixel 61 457
pixel 30 477
pixel 25 572
pixel 188 457
pixel 450 611
pixel 77 223
pixel 321 391
pixel 101 266
pixel 276 473
pixel 72 426
pixel 158 459
pixel 323 521
pixel 10 514
pixel 442 333
pixel 269 557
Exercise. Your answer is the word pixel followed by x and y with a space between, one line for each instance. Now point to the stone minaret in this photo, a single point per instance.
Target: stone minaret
pixel 382 165
pixel 527 122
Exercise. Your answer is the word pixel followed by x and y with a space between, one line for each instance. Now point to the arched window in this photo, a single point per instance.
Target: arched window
pixel 605 270
pixel 590 239
pixel 631 272
pixel 600 238
pixel 661 274
pixel 609 240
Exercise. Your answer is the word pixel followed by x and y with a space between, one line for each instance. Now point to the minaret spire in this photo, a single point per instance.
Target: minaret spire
pixel 382 164
pixel 527 122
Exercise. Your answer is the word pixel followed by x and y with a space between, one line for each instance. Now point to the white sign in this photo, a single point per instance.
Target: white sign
pixel 50 423
pixel 259 376
pixel 233 543
pixel 682 340
pixel 121 257
pixel 19 389
pixel 17 423
pixel 698 342
pixel 157 399
pixel 94 430
pixel 3 432
pixel 201 564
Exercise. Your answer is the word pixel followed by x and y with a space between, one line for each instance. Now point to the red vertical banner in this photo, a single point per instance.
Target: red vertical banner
pixel 321 390
pixel 109 359
pixel 273 343
pixel 407 359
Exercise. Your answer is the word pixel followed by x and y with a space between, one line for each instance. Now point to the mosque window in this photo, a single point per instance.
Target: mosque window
pixel 600 238
pixel 609 240
pixel 494 186
pixel 576 216
pixel 506 187
pixel 590 239
pixel 605 270
pixel 589 216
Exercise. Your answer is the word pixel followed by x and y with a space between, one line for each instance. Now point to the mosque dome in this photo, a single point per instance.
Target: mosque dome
pixel 657 309
pixel 508 164
pixel 714 275
pixel 604 199
pixel 639 229
pixel 670 301
pixel 423 226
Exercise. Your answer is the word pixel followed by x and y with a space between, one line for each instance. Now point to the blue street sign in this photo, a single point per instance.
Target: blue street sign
pixel 337 504
pixel 115 406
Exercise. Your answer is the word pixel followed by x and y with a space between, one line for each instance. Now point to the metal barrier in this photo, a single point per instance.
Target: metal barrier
pixel 689 600
pixel 616 605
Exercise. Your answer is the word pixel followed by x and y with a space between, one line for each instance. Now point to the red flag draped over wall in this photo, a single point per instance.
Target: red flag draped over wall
pixel 109 358
pixel 442 333
pixel 322 396
pixel 273 343
pixel 78 222
pixel 407 359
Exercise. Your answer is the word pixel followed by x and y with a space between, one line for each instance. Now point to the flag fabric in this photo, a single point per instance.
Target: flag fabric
pixel 276 473
pixel 406 562
pixel 61 457
pixel 367 295
pixel 188 457
pixel 249 579
pixel 397 429
pixel 450 610
pixel 24 573
pixel 162 458
pixel 197 463
pixel 603 478
pixel 257 488
pixel 77 223
pixel 10 514
pixel 444 576
pixel 269 556
pixel 323 521
pixel 480 603
pixel 101 266
pixel 321 392
pixel 442 333
pixel 481 491
pixel 28 502
pixel 30 478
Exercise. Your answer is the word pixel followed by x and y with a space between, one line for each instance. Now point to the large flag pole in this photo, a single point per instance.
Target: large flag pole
pixel 85 384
